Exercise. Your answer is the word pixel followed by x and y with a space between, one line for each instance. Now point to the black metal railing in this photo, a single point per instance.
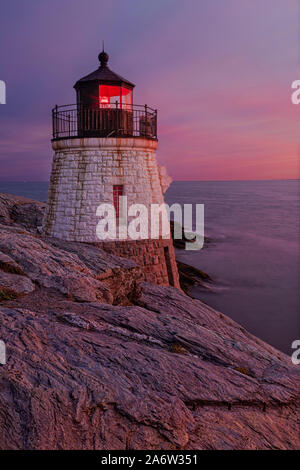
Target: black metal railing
pixel 71 121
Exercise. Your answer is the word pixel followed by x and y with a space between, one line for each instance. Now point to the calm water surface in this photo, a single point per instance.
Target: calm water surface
pixel 254 253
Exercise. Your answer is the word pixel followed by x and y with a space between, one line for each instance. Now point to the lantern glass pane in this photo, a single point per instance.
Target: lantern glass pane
pixel 126 99
pixel 109 95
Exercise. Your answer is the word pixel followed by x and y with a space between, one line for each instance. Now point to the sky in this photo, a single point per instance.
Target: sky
pixel 218 71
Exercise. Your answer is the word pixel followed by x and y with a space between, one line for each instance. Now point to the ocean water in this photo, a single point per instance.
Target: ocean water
pixel 37 190
pixel 253 252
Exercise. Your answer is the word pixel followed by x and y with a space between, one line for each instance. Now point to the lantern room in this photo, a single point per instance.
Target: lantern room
pixel 104 89
pixel 104 108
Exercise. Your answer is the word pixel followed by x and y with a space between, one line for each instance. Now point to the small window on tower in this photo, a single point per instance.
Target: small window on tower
pixel 117 191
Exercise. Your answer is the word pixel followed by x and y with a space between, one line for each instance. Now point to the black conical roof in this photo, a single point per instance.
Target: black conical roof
pixel 104 74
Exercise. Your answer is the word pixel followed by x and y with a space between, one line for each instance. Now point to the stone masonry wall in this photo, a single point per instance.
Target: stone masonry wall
pixel 83 174
pixel 156 257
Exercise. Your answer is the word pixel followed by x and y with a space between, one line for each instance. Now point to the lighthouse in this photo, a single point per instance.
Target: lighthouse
pixel 105 149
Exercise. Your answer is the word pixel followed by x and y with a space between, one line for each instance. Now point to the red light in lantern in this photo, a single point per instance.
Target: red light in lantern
pixel 104 102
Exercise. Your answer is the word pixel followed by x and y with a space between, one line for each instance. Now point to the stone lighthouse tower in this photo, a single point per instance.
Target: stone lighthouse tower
pixel 105 149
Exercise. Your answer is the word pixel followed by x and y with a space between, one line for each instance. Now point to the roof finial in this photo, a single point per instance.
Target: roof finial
pixel 103 57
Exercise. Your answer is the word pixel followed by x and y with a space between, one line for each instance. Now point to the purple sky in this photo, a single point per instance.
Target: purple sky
pixel 219 72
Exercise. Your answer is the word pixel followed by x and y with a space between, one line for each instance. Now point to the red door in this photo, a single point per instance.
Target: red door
pixel 117 191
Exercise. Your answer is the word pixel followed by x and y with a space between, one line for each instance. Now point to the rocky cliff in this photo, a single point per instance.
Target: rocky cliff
pixel 98 359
